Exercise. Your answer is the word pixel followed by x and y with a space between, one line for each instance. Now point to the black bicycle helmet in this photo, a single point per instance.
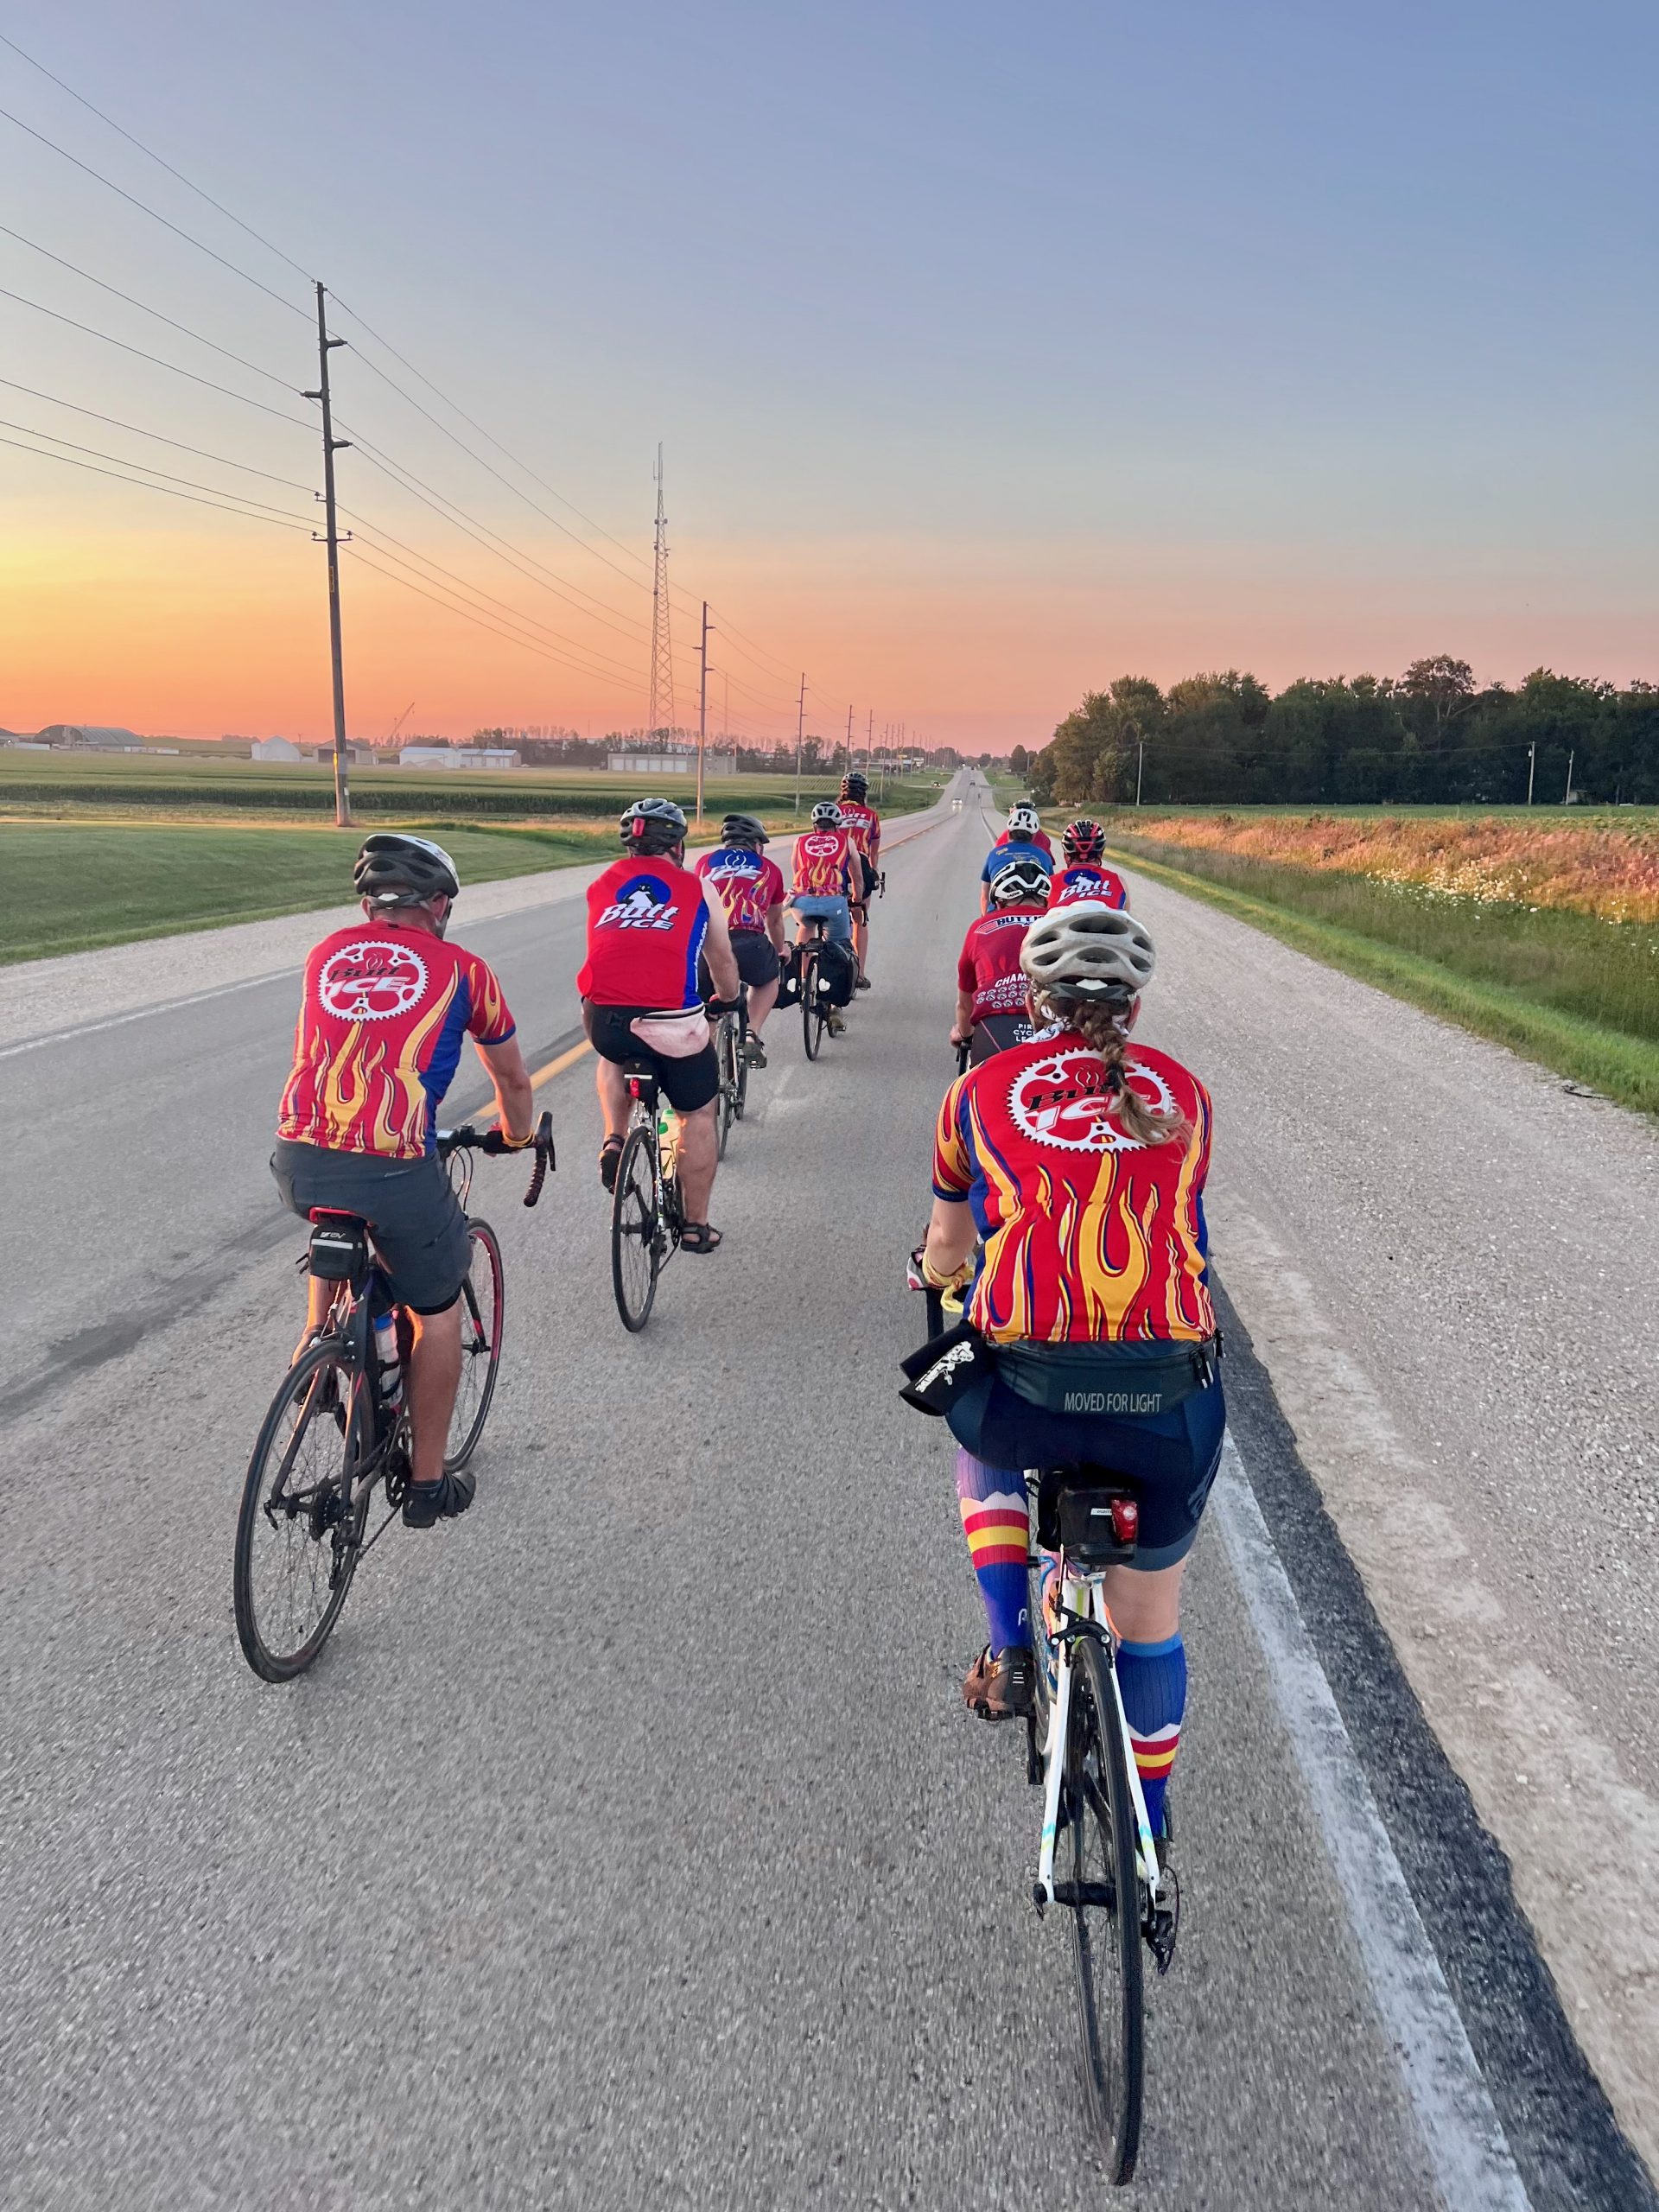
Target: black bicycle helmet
pixel 743 830
pixel 394 869
pixel 1083 840
pixel 652 825
pixel 853 784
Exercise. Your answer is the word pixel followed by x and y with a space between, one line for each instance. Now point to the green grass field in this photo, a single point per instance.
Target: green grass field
pixel 1577 994
pixel 71 886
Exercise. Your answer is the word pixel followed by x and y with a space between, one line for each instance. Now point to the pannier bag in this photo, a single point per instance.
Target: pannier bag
pixel 789 984
pixel 837 974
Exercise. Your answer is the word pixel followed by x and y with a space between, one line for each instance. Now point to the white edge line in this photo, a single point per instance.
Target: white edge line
pixel 1468 2149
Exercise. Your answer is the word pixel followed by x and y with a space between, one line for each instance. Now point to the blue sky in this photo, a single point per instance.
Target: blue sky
pixel 996 351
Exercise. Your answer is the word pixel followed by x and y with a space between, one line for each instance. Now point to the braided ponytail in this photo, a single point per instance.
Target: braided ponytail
pixel 1104 1030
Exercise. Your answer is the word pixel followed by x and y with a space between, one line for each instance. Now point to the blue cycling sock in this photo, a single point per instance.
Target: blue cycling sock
pixel 995 1521
pixel 1152 1680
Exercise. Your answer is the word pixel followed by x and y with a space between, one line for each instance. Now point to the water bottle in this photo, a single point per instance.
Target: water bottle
pixel 385 1353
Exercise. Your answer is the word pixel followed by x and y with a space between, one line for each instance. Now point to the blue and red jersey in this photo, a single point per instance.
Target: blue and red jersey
pixel 383 1011
pixel 1088 880
pixel 989 968
pixel 1089 1235
pixel 647 918
pixel 826 865
pixel 749 885
pixel 1006 851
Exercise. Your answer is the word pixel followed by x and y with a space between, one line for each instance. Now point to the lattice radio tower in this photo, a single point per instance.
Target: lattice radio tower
pixel 662 642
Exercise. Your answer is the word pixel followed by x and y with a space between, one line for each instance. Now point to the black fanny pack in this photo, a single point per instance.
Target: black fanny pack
pixel 937 1375
pixel 1121 1381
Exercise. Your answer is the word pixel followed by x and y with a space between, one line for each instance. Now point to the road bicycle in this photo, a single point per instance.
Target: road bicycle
pixel 732 1059
pixel 647 1210
pixel 338 1427
pixel 1097 1860
pixel 817 1014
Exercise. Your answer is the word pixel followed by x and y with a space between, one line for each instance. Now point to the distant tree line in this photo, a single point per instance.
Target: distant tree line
pixel 1431 736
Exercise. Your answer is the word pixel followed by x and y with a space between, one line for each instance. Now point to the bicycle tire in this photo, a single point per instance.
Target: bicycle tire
pixel 1106 1937
pixel 726 1052
pixel 636 1228
pixel 481 1319
pixel 333 1519
pixel 812 1022
pixel 742 1098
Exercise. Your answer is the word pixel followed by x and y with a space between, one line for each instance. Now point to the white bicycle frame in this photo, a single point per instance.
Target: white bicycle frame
pixel 1083 1594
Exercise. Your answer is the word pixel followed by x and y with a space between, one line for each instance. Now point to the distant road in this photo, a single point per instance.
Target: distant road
pixel 629 1844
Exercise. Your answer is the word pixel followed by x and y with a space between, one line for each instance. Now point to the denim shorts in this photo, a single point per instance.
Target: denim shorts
pixel 1168 1460
pixel 819 904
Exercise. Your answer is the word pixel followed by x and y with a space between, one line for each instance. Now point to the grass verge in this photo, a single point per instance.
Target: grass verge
pixel 1541 957
pixel 69 886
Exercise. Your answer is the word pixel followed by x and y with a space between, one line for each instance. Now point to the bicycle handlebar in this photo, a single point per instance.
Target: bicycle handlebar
pixel 493 1143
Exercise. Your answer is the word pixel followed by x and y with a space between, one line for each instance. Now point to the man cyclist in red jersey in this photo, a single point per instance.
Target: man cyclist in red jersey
pixel 1080 1161
pixel 648 921
pixel 751 888
pixel 1085 874
pixel 861 818
pixel 384 1008
pixel 989 979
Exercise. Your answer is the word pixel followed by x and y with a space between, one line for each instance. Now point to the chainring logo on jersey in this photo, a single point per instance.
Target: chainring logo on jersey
pixel 640 907
pixel 1062 1100
pixel 372 981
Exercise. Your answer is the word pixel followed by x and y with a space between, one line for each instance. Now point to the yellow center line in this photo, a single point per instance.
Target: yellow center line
pixel 557 1067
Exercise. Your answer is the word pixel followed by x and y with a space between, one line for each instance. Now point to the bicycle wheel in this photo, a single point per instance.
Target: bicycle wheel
pixel 811 1026
pixel 482 1302
pixel 1102 1890
pixel 301 1517
pixel 727 1052
pixel 636 1241
pixel 742 1099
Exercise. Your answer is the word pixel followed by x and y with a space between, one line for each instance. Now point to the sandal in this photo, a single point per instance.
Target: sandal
pixel 609 1153
pixel 697 1236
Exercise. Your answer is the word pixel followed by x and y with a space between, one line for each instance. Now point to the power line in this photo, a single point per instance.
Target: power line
pixel 143 307
pixel 151 155
pixel 207 382
pixel 98 453
pixel 138 431
pixel 219 505
pixel 144 208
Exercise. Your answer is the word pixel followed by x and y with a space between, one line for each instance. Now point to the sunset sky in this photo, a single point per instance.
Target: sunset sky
pixel 996 352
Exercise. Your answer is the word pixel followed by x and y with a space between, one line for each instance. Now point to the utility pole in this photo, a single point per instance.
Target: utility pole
pixel 800 739
pixel 870 740
pixel 1140 764
pixel 1532 763
pixel 331 538
pixel 851 763
pixel 702 709
pixel 1571 757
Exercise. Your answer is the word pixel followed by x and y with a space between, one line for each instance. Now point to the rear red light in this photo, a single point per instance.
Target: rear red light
pixel 1126 1520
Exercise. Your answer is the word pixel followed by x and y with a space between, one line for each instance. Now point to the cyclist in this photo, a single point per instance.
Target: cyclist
pixel 1081 1162
pixel 1084 873
pixel 649 920
pixel 828 878
pixel 751 888
pixel 385 1007
pixel 989 979
pixel 861 818
pixel 1024 839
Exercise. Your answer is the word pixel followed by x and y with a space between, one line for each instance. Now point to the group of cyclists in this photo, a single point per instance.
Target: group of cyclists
pixel 1069 1167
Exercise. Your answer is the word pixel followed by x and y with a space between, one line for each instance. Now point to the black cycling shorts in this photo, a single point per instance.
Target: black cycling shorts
pixel 415 1224
pixel 756 956
pixel 687 1084
pixel 870 877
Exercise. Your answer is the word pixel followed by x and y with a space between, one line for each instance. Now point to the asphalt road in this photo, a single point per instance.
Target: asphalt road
pixel 629 1845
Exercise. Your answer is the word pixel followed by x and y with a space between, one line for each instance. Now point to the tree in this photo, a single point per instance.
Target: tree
pixel 1019 762
pixel 1444 686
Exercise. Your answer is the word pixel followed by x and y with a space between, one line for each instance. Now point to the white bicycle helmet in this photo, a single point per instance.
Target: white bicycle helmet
pixel 1019 883
pixel 1088 950
pixel 1024 820
pixel 826 814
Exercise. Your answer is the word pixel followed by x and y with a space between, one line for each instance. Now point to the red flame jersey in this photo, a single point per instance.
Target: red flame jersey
pixel 749 885
pixel 866 825
pixel 824 864
pixel 383 1011
pixel 1088 880
pixel 989 966
pixel 1090 1237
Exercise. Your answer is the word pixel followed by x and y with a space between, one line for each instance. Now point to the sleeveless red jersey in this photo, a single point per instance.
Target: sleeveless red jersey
pixel 383 1011
pixel 825 863
pixel 866 825
pixel 1088 880
pixel 749 885
pixel 989 966
pixel 1089 1235
pixel 646 924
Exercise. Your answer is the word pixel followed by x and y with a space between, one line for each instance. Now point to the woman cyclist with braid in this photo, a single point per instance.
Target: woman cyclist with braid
pixel 1080 1160
pixel 1083 874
